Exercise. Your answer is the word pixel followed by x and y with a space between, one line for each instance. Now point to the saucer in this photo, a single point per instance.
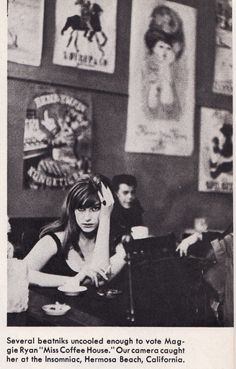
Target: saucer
pixel 72 291
pixel 56 309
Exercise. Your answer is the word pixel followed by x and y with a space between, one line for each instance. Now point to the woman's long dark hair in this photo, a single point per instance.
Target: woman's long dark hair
pixel 83 194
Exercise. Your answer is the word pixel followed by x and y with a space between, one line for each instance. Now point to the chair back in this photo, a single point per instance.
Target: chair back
pixel 168 292
pixel 152 248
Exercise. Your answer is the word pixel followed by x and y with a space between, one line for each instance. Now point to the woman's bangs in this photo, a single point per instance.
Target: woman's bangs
pixel 91 201
pixel 87 199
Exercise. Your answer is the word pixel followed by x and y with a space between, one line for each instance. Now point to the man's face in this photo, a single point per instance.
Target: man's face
pixel 126 195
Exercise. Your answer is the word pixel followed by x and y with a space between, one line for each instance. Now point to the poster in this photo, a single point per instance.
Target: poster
pixel 216 151
pixel 223 56
pixel 86 34
pixel 25 31
pixel 57 139
pixel 161 85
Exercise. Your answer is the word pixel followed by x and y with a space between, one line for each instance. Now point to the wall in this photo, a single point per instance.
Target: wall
pixel 167 185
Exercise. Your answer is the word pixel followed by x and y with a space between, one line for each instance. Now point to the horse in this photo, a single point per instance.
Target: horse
pixel 90 24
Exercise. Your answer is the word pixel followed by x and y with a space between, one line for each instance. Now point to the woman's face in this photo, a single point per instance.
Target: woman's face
pixel 164 52
pixel 87 218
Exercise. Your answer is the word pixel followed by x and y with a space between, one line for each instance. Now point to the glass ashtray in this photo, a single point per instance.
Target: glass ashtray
pixel 109 293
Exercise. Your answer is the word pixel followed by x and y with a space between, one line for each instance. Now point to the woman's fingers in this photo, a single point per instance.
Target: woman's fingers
pixel 107 195
pixel 94 273
pixel 93 276
pixel 102 274
pixel 96 280
pixel 100 197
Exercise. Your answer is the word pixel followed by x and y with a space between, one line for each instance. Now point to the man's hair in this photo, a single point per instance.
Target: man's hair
pixel 127 179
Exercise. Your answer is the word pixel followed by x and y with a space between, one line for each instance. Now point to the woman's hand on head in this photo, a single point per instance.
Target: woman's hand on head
pixel 107 200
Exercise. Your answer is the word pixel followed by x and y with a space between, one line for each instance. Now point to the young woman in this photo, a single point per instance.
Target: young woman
pixel 75 249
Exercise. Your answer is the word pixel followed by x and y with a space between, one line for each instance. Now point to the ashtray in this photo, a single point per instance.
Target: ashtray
pixel 56 309
pixel 72 290
pixel 110 293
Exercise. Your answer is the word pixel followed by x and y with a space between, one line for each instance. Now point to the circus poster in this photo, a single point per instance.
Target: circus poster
pixel 223 57
pixel 162 78
pixel 216 151
pixel 25 31
pixel 85 35
pixel 57 139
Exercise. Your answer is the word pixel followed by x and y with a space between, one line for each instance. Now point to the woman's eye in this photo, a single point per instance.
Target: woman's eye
pixel 97 208
pixel 81 209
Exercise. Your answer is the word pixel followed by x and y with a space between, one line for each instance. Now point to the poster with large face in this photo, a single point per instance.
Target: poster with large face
pixel 25 31
pixel 57 138
pixel 161 85
pixel 223 58
pixel 216 151
pixel 86 34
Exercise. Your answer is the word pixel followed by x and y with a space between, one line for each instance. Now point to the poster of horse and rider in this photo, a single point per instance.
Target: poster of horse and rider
pixel 85 34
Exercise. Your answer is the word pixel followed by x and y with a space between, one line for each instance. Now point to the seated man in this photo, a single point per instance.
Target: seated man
pixel 127 211
pixel 218 248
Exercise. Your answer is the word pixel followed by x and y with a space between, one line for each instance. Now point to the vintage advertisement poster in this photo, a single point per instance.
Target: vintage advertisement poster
pixel 161 85
pixel 57 139
pixel 216 151
pixel 25 31
pixel 86 34
pixel 223 55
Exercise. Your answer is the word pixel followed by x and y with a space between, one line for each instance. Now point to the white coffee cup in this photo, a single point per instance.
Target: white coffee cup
pixel 139 232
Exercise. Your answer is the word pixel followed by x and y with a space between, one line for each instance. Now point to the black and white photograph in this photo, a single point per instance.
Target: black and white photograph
pixel 118 227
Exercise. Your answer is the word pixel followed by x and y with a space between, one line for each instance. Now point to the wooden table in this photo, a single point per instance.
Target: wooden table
pixel 87 309
pixel 167 292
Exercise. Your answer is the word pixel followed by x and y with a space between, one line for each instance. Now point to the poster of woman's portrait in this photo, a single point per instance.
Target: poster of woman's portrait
pixel 161 101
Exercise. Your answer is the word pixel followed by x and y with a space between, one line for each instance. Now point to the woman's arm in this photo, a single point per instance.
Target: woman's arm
pixel 117 261
pixel 37 258
pixel 47 280
pixel 98 276
pixel 100 257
